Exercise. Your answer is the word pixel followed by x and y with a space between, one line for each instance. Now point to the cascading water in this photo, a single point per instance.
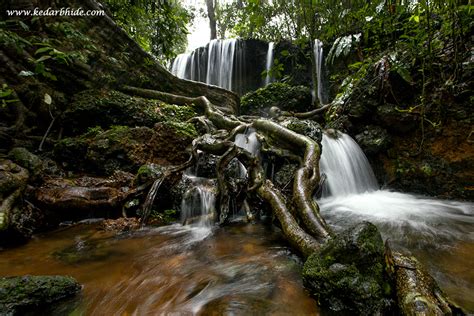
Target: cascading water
pixel 269 62
pixel 435 231
pixel 180 64
pixel 347 169
pixel 221 66
pixel 319 63
pixel 351 194
pixel 198 203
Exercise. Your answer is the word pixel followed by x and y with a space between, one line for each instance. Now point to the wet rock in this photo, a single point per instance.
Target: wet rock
pixel 395 120
pixel 373 140
pixel 284 96
pixel 120 224
pixel 23 294
pixel 75 199
pixel 347 273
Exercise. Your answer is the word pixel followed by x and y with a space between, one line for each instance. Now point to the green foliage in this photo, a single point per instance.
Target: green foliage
pixel 160 27
pixel 6 95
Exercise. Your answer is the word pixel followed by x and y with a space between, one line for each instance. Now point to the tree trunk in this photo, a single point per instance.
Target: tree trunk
pixel 211 13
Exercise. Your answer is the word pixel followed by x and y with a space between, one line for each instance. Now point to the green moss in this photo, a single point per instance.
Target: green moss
pixel 176 112
pixel 148 172
pixel 308 128
pixel 26 159
pixel 22 294
pixel 183 129
pixel 347 274
pixel 282 95
pixel 108 108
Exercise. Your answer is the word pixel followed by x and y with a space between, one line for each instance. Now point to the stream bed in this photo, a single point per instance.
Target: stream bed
pixel 240 269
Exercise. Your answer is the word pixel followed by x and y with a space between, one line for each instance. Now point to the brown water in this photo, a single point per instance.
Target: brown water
pixel 241 269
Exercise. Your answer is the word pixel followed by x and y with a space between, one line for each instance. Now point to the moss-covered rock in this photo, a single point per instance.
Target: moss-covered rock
pixel 22 294
pixel 26 159
pixel 373 140
pixel 396 120
pixel 282 95
pixel 126 148
pixel 307 128
pixel 347 274
pixel 106 108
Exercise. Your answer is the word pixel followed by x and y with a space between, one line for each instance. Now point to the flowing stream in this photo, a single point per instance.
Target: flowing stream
pixel 240 269
pixel 439 232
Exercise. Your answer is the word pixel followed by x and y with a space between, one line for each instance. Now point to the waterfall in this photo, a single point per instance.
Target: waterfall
pixel 347 169
pixel 198 203
pixel 351 194
pixel 319 63
pixel 179 66
pixel 222 65
pixel 269 62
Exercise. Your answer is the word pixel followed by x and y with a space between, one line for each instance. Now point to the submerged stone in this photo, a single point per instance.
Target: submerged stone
pixel 347 273
pixel 21 294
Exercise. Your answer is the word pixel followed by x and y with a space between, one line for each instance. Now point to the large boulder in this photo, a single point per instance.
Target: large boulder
pixel 28 294
pixel 347 273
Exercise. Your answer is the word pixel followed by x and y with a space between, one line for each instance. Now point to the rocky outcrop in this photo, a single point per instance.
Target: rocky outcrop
pixel 30 294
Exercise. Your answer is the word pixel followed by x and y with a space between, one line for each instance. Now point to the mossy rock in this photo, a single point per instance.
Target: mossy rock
pixel 373 139
pixel 307 128
pixel 126 148
pixel 26 159
pixel 347 273
pixel 22 294
pixel 106 108
pixel 281 95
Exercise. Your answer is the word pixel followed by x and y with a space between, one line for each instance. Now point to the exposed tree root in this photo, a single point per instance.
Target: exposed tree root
pixel 279 139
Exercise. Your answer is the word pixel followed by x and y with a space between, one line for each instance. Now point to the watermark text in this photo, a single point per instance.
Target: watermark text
pixel 56 12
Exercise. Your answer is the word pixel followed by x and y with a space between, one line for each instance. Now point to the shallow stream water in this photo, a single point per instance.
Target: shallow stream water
pixel 241 269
